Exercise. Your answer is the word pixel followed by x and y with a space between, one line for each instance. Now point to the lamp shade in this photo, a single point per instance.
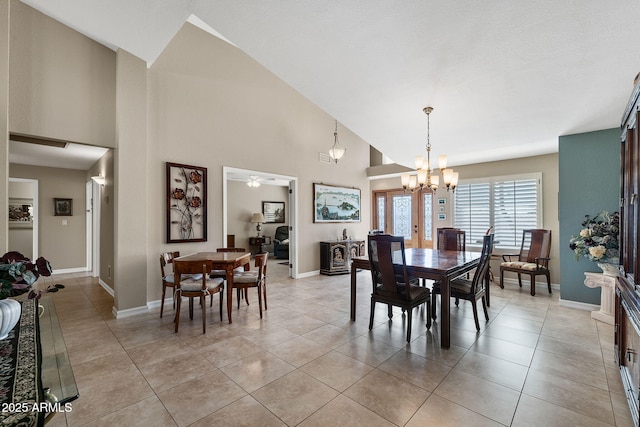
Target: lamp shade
pixel 336 152
pixel 257 217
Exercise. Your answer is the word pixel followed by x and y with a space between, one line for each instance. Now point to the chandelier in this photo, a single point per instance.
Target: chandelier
pixel 336 152
pixel 424 177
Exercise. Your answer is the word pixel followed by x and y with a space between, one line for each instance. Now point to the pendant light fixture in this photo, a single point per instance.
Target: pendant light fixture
pixel 336 152
pixel 424 177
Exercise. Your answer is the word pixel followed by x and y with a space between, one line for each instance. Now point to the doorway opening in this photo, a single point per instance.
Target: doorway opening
pixel 239 218
pixel 23 216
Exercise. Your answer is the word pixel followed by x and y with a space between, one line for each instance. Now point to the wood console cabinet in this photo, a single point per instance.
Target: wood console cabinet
pixel 335 257
pixel 627 305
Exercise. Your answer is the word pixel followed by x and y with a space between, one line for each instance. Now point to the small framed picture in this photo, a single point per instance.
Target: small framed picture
pixel 63 207
pixel 442 201
pixel 273 212
pixel 442 217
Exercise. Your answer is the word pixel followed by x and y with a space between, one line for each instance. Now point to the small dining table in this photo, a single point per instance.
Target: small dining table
pixel 227 261
pixel 433 264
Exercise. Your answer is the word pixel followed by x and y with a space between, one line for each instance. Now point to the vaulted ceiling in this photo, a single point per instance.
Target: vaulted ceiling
pixel 505 78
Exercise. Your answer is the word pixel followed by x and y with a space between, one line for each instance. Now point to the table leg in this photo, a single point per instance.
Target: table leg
pixel 229 292
pixel 354 271
pixel 445 332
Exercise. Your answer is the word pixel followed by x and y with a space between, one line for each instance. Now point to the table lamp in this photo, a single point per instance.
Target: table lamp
pixel 258 218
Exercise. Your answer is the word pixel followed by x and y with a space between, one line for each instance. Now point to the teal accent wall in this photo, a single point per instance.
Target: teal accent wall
pixel 589 183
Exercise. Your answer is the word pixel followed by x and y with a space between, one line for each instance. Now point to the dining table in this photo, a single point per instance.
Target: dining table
pixel 227 261
pixel 434 264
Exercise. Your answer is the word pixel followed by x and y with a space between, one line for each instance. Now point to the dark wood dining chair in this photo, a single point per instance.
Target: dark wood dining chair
pixel 390 279
pixel 451 239
pixel 473 289
pixel 254 279
pixel 533 258
pixel 166 272
pixel 193 285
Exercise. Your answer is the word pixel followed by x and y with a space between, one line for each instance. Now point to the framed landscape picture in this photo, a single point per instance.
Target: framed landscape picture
pixel 335 204
pixel 273 212
pixel 186 203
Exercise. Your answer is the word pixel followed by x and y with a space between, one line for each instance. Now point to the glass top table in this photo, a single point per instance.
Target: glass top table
pixel 57 375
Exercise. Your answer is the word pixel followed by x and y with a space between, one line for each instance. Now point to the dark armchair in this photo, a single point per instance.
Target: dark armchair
pixel 281 242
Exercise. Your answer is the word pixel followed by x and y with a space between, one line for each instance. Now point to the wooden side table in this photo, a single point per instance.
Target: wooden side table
pixel 259 243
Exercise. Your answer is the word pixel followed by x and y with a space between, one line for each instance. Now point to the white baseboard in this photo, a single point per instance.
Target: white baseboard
pixel 308 274
pixel 106 288
pixel 121 314
pixel 578 305
pixel 70 270
pixel 156 304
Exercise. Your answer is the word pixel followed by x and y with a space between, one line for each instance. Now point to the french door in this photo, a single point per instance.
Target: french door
pixel 405 214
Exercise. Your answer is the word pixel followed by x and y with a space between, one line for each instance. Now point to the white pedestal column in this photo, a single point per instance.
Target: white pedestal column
pixel 607 295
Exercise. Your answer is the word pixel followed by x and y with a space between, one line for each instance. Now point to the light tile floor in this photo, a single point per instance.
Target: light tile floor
pixel 305 363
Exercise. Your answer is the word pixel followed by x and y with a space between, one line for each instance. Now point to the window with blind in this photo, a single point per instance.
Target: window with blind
pixel 509 203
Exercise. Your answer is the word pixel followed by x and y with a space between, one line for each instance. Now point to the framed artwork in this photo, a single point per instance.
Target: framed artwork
pixel 63 207
pixel 273 212
pixel 442 217
pixel 20 213
pixel 442 201
pixel 186 203
pixel 335 204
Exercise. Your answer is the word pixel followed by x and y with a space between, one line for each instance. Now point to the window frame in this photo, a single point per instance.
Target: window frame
pixel 491 181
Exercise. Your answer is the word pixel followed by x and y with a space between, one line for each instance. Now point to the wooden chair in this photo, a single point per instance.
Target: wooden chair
pixel 254 279
pixel 166 271
pixel 533 258
pixel 390 279
pixel 451 239
pixel 474 289
pixel 223 273
pixel 197 286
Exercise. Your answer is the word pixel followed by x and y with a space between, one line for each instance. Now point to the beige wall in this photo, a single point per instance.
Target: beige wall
pixel 62 83
pixel 242 201
pixel 63 245
pixel 547 165
pixel 207 104
pixel 213 106
pixel 131 209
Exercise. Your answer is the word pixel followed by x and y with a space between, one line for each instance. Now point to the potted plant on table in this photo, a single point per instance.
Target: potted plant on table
pixel 598 241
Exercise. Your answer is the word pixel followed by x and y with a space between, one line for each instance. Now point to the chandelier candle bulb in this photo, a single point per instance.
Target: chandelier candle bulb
pixel 404 178
pixel 442 162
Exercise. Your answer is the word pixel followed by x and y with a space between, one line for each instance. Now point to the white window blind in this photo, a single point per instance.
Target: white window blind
pixel 472 209
pixel 511 204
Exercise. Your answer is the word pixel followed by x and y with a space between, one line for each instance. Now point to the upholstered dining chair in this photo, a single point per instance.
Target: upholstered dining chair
pixel 254 279
pixel 470 289
pixel 390 279
pixel 194 285
pixel 166 272
pixel 533 258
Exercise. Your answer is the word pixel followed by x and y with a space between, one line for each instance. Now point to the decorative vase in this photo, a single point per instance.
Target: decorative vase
pixel 10 310
pixel 609 269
